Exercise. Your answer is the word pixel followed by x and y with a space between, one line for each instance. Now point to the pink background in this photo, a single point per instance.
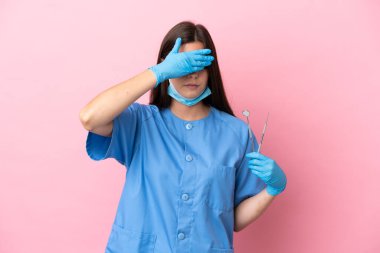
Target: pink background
pixel 313 64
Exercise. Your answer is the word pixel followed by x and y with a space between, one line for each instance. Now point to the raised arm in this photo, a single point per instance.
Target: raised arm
pixel 101 110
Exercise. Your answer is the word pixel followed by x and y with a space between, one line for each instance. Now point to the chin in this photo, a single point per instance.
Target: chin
pixel 191 95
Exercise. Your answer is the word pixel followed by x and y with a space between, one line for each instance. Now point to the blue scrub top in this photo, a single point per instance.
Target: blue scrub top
pixel 183 179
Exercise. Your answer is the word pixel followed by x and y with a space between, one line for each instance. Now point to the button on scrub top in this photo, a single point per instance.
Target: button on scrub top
pixel 183 179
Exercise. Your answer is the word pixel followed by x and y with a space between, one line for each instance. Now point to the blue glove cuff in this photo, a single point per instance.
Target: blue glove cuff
pixel 273 191
pixel 156 74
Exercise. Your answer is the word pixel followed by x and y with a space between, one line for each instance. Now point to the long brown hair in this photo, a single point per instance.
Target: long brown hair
pixel 189 32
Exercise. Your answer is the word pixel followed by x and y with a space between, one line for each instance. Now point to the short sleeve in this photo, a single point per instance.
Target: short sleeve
pixel 247 184
pixel 122 143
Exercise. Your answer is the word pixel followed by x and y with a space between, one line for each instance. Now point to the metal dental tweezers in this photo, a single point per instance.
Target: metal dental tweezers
pixel 246 114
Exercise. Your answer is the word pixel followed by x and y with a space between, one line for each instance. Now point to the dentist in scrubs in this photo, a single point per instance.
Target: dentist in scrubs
pixel 193 176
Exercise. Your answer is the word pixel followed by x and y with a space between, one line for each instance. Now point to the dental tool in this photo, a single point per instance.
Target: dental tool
pixel 262 136
pixel 246 114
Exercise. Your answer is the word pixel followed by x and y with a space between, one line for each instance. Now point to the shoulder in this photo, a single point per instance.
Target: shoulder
pixel 142 111
pixel 232 123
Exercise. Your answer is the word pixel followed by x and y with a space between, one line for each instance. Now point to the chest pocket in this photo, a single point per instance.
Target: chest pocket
pixel 124 240
pixel 220 187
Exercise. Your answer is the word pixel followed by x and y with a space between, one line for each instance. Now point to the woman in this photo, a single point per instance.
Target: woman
pixel 192 178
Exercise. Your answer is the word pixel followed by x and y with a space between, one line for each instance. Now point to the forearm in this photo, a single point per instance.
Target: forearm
pixel 107 105
pixel 250 209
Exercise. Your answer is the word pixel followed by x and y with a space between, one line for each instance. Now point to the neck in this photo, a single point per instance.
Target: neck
pixel 189 113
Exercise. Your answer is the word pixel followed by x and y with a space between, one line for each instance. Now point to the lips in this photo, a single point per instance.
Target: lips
pixel 191 84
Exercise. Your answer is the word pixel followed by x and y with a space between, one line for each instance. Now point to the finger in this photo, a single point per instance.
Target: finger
pixel 199 52
pixel 257 173
pixel 256 155
pixel 177 45
pixel 198 57
pixel 196 69
pixel 200 63
pixel 263 175
pixel 262 162
pixel 256 162
pixel 258 168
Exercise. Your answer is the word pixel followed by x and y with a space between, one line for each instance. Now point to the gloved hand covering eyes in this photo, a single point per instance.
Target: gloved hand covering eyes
pixel 181 64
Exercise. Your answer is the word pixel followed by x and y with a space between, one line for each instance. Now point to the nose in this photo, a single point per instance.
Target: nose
pixel 194 74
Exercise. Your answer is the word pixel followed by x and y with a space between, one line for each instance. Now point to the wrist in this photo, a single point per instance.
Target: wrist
pixel 157 74
pixel 274 191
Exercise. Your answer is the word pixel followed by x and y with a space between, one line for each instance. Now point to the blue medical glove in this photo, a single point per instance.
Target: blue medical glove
pixel 268 171
pixel 181 64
